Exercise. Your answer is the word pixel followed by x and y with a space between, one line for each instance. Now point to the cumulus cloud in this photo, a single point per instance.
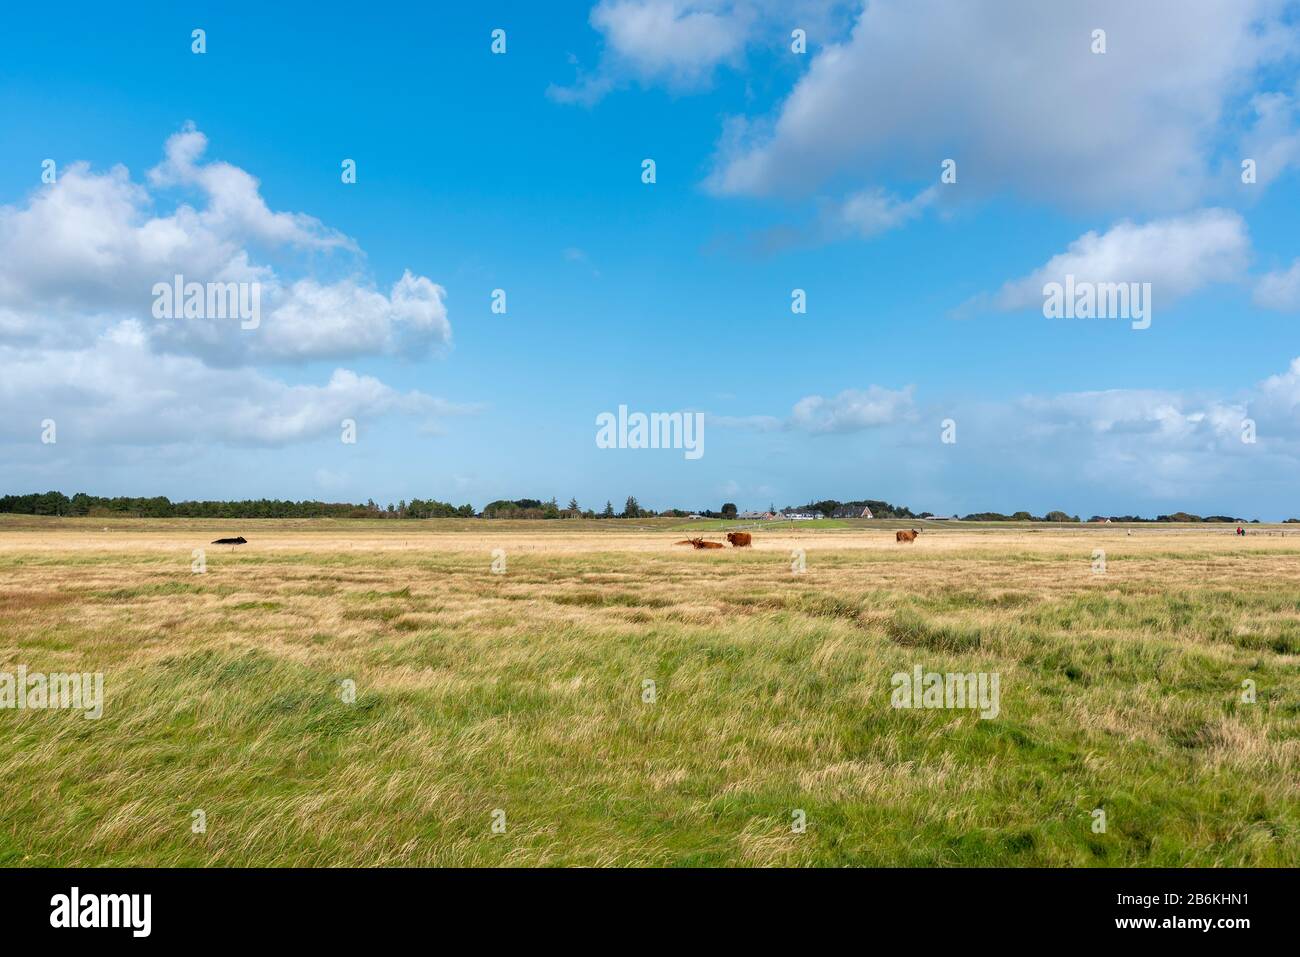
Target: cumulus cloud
pixel 311 320
pixel 852 410
pixel 1169 445
pixel 1013 92
pixel 680 44
pixel 116 391
pixel 1278 400
pixel 677 42
pixel 1162 445
pixel 234 202
pixel 86 252
pixel 87 245
pixel 80 341
pixel 1145 415
pixel 1120 446
pixel 1177 256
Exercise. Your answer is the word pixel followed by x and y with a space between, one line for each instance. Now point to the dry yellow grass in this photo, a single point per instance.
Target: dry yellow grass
pixel 523 692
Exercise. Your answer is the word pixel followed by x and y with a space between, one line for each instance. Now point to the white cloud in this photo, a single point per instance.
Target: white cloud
pixel 873 211
pixel 1277 404
pixel 1012 91
pixel 1273 141
pixel 1126 444
pixel 234 202
pixel 85 253
pixel 1177 256
pixel 1123 445
pixel 1164 449
pixel 311 320
pixel 852 410
pixel 1280 290
pixel 680 44
pixel 676 42
pixel 1146 416
pixel 79 343
pixel 87 245
pixel 116 391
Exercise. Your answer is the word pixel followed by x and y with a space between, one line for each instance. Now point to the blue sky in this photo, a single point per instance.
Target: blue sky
pixel 775 171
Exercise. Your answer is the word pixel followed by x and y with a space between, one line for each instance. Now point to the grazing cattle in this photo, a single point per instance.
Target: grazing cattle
pixel 740 539
pixel 241 540
pixel 907 536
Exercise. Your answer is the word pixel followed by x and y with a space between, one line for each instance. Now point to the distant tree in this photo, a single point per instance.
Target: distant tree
pixel 609 510
pixel 631 509
pixel 728 509
pixel 573 505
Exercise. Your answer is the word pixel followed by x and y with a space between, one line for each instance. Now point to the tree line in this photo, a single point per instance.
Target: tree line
pixel 878 508
pixel 56 503
pixel 159 506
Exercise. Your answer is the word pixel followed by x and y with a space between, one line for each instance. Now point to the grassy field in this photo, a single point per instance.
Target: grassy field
pixel 525 692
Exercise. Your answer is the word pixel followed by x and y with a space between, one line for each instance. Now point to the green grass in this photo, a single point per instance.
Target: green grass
pixel 524 692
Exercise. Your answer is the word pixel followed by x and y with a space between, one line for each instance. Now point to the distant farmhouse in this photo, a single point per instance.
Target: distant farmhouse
pixel 852 511
pixel 799 515
pixel 758 516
